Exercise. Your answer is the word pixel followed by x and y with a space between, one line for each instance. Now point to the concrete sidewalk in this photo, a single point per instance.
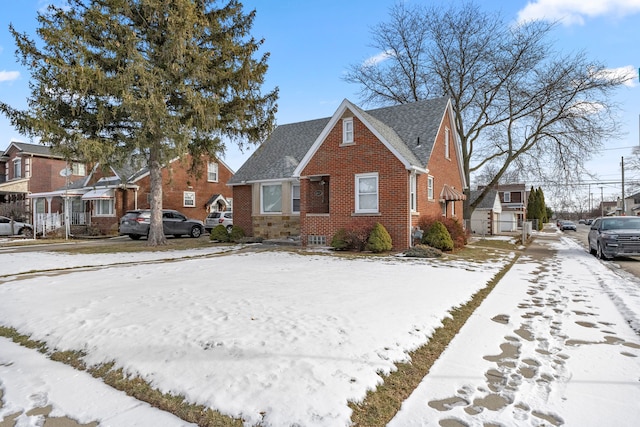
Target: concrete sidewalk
pixel 549 346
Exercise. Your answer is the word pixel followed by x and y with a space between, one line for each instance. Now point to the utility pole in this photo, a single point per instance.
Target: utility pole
pixel 624 210
pixel 601 203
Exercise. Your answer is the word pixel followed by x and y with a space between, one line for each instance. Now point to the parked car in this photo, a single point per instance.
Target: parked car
pixel 215 218
pixel 568 225
pixel 613 236
pixel 9 228
pixel 135 224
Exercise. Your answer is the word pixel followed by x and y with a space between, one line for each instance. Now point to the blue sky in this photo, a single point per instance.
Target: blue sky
pixel 312 43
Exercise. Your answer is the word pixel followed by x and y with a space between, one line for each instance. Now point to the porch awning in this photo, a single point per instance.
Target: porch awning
pixel 451 194
pixel 99 194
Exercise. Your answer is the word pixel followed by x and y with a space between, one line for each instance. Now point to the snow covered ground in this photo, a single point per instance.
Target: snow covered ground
pixel 280 339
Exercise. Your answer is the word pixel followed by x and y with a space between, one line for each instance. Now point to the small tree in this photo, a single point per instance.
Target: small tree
pixel 438 237
pixel 379 239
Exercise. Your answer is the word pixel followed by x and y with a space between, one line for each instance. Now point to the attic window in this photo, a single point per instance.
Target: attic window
pixel 347 131
pixel 212 172
pixel 447 136
pixel 78 169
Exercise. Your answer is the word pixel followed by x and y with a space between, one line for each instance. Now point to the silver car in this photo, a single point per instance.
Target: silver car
pixel 615 236
pixel 135 224
pixel 216 218
pixel 13 228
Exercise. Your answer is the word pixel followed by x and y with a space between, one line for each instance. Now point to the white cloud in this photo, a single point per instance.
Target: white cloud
pixel 6 76
pixel 571 12
pixel 376 59
pixel 629 73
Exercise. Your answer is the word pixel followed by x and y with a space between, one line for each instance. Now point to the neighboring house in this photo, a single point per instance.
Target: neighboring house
pixel 390 165
pixel 107 193
pixel 32 168
pixel 514 198
pixel 485 219
pixel 610 208
pixel 631 205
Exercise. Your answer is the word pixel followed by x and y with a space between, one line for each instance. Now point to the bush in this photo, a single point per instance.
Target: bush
pixel 237 234
pixel 423 251
pixel 379 239
pixel 437 236
pixel 350 240
pixel 339 240
pixel 219 233
pixel 454 227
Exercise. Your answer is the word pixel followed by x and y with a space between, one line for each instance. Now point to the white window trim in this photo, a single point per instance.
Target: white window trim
pixel 347 135
pixel 17 163
pixel 412 192
pixel 358 177
pixel 111 206
pixel 507 197
pixel 293 211
pixel 447 143
pixel 186 196
pixel 262 211
pixel 430 184
pixel 210 166
pixel 78 169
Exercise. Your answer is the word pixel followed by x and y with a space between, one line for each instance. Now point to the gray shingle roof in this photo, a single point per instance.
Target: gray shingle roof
pixel 37 149
pixel 488 200
pixel 401 125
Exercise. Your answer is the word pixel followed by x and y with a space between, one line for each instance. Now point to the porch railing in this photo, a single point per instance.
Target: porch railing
pixel 46 223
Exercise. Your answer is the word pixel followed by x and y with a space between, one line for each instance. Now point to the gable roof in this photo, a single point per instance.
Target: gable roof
pixel 487 202
pixel 408 130
pixel 36 149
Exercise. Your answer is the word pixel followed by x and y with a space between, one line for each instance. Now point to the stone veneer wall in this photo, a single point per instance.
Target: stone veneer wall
pixel 276 226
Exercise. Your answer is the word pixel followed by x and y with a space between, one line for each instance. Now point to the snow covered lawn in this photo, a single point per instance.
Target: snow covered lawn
pixel 268 337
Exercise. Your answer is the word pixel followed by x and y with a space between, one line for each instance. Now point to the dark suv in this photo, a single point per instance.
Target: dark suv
pixel 613 236
pixel 135 224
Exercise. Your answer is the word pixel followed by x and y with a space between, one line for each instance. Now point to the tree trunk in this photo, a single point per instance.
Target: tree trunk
pixel 156 234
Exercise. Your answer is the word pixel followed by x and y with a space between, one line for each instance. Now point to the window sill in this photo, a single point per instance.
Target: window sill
pixel 318 214
pixel 347 144
pixel 366 214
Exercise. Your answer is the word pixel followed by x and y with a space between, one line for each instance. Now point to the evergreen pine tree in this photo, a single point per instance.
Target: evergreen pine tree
pixel 146 81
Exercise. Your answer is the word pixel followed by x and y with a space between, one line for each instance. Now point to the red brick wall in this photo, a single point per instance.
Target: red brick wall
pixel 175 181
pixel 444 171
pixel 242 202
pixel 341 164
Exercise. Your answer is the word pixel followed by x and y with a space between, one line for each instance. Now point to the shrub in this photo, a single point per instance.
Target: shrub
pixel 437 236
pixel 219 233
pixel 454 227
pixel 423 251
pixel 350 240
pixel 339 240
pixel 379 239
pixel 237 234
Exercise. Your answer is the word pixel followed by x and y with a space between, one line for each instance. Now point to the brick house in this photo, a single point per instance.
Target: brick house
pixel 390 165
pixel 32 168
pixel 42 184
